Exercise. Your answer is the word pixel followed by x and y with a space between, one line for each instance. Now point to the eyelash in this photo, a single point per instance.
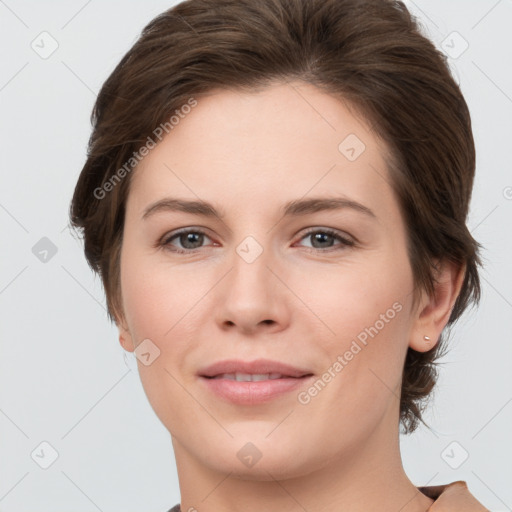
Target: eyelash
pixel 345 242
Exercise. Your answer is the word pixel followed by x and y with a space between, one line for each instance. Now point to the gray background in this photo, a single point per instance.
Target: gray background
pixel 64 378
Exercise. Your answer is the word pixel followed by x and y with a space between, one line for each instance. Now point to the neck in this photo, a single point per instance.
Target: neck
pixel 365 477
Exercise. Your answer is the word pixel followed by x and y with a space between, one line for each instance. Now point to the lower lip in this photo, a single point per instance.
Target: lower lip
pixel 251 393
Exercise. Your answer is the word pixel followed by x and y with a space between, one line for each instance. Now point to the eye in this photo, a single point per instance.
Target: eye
pixel 323 239
pixel 190 240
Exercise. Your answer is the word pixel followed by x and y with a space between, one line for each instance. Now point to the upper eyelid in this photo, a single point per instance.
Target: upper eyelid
pixel 181 231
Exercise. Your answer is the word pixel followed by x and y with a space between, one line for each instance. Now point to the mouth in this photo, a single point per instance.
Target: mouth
pixel 259 369
pixel 251 383
pixel 254 377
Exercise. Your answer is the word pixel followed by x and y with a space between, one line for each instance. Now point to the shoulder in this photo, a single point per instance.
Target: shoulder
pixel 452 497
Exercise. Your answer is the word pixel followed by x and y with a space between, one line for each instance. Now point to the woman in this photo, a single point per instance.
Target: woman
pixel 275 197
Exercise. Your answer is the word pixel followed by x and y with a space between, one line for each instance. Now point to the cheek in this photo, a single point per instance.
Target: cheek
pixel 363 358
pixel 363 313
pixel 350 298
pixel 157 295
pixel 159 305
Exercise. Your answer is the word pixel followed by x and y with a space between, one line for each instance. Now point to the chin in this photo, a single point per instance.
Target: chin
pixel 251 461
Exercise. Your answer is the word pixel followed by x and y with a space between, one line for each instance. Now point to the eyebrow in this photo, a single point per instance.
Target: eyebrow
pixel 294 208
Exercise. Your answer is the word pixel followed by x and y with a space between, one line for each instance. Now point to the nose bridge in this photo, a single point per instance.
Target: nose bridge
pixel 249 295
pixel 250 266
pixel 250 250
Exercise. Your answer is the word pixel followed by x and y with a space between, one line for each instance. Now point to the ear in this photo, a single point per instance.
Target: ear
pixel 125 338
pixel 433 312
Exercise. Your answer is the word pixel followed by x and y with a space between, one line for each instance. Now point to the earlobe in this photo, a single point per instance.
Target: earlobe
pixel 125 337
pixel 434 311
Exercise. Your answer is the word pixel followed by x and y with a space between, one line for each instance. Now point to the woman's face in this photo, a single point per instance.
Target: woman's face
pixel 271 274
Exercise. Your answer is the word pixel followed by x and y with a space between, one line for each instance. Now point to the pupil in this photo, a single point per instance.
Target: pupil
pixel 321 237
pixel 192 238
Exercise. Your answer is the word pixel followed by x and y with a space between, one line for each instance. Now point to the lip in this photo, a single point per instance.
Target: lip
pixel 257 392
pixel 261 366
pixel 253 393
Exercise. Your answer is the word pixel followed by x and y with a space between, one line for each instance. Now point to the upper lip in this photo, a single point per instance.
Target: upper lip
pixel 258 366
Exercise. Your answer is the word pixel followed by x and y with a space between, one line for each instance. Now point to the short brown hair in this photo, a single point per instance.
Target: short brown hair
pixel 370 53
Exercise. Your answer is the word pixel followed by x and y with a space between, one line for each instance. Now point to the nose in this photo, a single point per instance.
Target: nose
pixel 251 297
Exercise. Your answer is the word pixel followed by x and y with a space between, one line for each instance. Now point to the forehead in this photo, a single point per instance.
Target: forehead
pixel 286 139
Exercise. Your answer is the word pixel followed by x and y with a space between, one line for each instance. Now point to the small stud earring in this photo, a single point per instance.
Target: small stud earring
pixel 426 338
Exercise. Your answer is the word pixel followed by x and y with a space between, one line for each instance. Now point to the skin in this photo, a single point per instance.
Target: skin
pixel 301 302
